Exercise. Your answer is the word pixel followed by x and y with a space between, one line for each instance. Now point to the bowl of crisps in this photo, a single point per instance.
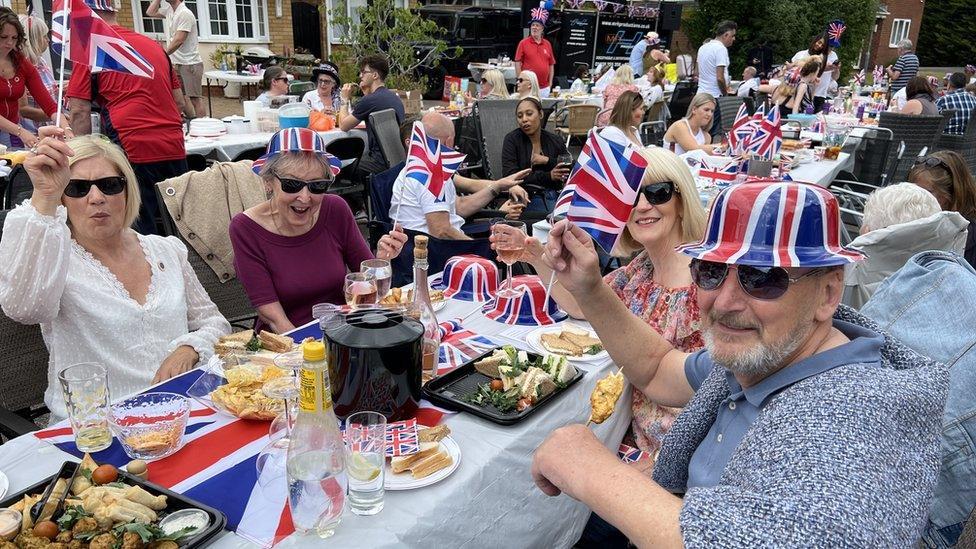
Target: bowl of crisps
pixel 237 390
pixel 150 425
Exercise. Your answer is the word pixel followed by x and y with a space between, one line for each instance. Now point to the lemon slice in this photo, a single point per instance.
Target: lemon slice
pixel 361 469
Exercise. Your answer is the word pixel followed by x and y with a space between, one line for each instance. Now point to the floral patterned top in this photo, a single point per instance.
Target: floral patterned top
pixel 610 95
pixel 674 313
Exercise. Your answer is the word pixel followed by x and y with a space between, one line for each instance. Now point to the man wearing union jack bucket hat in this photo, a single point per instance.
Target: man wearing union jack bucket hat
pixel 789 411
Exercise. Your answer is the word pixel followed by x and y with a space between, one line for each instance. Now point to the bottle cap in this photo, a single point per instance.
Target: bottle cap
pixel 313 351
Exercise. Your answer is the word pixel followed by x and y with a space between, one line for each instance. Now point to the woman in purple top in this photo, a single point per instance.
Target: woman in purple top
pixel 294 250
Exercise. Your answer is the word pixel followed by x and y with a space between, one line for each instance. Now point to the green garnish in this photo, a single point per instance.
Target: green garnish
pixel 593 349
pixel 504 401
pixel 70 516
pixel 254 345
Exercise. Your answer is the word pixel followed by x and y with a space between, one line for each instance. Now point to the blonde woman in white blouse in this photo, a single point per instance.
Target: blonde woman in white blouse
pixel 100 291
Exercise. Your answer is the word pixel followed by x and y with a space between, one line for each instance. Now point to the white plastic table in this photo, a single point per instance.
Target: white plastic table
pixel 246 81
pixel 489 501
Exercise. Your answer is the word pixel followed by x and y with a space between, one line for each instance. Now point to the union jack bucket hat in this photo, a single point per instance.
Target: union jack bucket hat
pixel 294 140
pixel 469 278
pixel 526 308
pixel 779 224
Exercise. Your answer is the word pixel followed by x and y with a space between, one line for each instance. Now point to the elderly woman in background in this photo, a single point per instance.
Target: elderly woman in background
pixel 274 83
pixel 325 97
pixel 531 146
pixel 21 76
pixel 37 42
pixel 920 97
pixel 100 291
pixel 946 176
pixel 294 250
pixel 689 133
pixel 623 81
pixel 626 116
pixel 526 85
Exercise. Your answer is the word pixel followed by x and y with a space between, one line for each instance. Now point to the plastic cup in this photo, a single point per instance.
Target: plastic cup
pixel 86 396
pixel 366 462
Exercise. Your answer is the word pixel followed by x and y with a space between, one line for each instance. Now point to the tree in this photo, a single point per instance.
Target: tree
pixel 786 25
pixel 409 41
pixel 945 38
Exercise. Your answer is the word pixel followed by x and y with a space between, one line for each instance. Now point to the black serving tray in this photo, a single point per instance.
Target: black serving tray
pixel 176 502
pixel 449 390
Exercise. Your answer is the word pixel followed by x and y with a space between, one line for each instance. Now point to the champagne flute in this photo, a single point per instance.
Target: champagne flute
pixel 360 289
pixel 509 244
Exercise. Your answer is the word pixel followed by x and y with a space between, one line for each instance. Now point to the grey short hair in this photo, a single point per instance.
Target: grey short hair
pixel 905 44
pixel 897 204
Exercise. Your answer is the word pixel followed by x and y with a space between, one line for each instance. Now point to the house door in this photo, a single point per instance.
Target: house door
pixel 306 27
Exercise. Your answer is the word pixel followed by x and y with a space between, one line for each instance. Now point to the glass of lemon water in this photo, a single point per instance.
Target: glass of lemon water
pixel 86 397
pixel 366 463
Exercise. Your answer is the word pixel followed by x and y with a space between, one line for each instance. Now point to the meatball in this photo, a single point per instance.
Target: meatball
pixel 102 541
pixel 4 544
pixel 84 524
pixel 166 544
pixel 132 540
pixel 64 536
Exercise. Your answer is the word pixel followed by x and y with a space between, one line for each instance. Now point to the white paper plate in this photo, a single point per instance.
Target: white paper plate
pixel 4 485
pixel 405 481
pixel 534 339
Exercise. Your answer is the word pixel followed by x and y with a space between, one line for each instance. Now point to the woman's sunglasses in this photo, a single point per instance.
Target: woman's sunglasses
pixel 484 80
pixel 78 188
pixel 658 193
pixel 764 283
pixel 932 162
pixel 519 80
pixel 323 83
pixel 293 186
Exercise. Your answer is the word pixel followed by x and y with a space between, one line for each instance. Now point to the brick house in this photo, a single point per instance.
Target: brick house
pixel 896 20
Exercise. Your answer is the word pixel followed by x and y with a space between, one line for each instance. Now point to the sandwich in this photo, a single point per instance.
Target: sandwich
pixel 233 344
pixel 490 364
pixel 274 342
pixel 431 464
pixel 571 342
pixel 536 384
pixel 400 464
pixel 559 369
pixel 555 344
pixel 434 434
pixel 581 338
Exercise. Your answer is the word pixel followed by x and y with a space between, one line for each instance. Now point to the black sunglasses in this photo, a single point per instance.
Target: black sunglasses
pixel 78 188
pixel 292 186
pixel 520 80
pixel 764 283
pixel 484 80
pixel 658 193
pixel 932 162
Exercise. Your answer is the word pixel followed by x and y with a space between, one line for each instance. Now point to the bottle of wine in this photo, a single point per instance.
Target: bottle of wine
pixel 421 308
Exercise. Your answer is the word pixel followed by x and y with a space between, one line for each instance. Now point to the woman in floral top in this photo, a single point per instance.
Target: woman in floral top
pixel 656 285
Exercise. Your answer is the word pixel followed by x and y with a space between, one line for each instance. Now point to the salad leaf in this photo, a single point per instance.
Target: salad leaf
pixel 593 349
pixel 504 401
pixel 254 345
pixel 71 515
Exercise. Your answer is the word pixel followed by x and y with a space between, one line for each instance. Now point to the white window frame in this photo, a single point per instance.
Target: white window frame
pixel 351 6
pixel 900 30
pixel 259 10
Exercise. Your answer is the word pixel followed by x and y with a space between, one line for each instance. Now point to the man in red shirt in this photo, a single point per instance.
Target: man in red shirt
pixel 143 111
pixel 534 53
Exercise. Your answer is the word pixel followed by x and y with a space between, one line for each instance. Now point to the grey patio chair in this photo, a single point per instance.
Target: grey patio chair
pixel 383 127
pixel 916 131
pixel 496 118
pixel 964 144
pixel 728 105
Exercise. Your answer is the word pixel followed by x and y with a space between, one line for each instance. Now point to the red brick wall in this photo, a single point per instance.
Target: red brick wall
pixel 881 53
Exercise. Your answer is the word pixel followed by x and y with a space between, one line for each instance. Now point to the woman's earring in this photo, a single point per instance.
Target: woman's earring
pixel 268 193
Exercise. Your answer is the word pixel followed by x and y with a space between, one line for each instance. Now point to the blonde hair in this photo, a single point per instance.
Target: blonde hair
pixel 36 30
pixel 698 101
pixel 497 81
pixel 93 146
pixel 624 75
pixel 533 80
pixel 664 165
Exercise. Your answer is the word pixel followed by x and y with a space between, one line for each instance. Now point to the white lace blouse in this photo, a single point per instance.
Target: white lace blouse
pixel 86 314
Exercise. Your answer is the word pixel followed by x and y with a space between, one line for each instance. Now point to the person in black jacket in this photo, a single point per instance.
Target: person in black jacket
pixel 530 146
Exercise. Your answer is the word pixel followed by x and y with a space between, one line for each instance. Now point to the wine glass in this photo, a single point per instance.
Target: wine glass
pixel 565 158
pixel 381 269
pixel 360 289
pixel 509 245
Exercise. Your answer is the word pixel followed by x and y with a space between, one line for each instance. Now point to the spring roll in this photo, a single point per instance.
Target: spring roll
pixel 140 496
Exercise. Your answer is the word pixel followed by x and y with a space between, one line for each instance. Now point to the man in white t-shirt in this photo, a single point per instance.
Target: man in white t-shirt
pixel 415 208
pixel 183 48
pixel 828 72
pixel 713 67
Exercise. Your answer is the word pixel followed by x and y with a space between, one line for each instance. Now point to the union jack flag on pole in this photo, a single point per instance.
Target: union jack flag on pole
pixel 834 30
pixel 91 41
pixel 431 163
pixel 768 138
pixel 741 131
pixel 606 187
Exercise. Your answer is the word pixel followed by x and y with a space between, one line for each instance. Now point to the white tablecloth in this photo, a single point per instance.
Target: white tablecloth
pixel 508 71
pixel 489 501
pixel 227 147
pixel 822 172
pixel 231 76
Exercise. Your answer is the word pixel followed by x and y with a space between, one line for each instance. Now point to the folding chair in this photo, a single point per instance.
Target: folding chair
pixel 383 127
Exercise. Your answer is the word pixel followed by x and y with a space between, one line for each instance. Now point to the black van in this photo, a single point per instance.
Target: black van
pixel 482 33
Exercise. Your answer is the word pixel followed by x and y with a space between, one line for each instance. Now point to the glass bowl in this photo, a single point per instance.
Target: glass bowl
pixel 150 425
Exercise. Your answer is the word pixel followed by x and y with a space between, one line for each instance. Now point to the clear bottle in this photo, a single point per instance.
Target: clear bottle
pixel 316 453
pixel 421 308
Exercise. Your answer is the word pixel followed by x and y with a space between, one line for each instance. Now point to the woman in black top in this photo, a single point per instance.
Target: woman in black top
pixel 946 175
pixel 530 146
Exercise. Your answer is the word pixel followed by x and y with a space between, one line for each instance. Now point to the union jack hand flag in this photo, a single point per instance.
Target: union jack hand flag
pixel 92 42
pixel 741 131
pixel 768 138
pixel 725 173
pixel 431 163
pixel 459 346
pixel 606 186
pixel 834 30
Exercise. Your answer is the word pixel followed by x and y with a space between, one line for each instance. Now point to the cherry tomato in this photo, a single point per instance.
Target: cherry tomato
pixel 497 385
pixel 46 529
pixel 104 474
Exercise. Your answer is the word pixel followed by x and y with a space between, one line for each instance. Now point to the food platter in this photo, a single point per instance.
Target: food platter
pixel 404 481
pixel 536 337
